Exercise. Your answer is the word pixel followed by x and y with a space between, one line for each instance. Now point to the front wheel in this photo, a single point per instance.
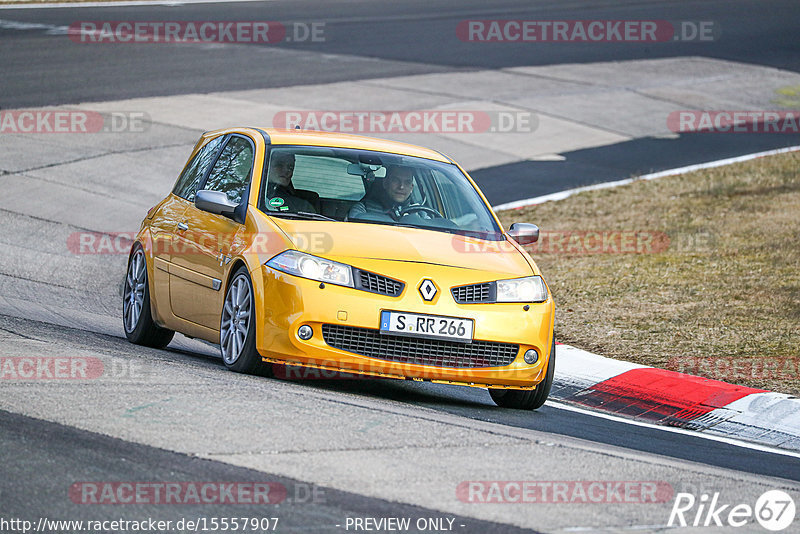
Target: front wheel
pixel 137 317
pixel 237 331
pixel 528 399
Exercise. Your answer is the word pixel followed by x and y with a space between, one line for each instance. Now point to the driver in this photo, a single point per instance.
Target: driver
pixel 390 197
pixel 281 195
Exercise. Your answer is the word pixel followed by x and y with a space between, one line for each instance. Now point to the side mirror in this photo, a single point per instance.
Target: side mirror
pixel 214 202
pixel 524 233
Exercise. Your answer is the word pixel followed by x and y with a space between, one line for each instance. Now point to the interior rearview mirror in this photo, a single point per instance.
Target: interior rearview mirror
pixel 356 169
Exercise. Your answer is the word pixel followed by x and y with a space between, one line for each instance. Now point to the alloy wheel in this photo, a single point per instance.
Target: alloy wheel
pixel 133 299
pixel 235 319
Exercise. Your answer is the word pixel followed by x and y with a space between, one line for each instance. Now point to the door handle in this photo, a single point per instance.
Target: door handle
pixel 182 227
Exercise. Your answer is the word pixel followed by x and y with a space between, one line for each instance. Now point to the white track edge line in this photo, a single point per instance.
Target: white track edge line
pixel 652 176
pixel 700 434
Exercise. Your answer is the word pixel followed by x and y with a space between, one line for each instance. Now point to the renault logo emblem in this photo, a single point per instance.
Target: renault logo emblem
pixel 428 290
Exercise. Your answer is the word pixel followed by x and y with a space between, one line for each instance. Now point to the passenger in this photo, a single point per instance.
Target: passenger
pixel 281 194
pixel 387 199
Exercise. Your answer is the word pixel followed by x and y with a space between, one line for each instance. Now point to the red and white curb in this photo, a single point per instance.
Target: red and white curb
pixel 670 398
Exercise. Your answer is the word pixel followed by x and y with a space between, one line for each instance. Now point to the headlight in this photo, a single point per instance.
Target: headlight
pixel 528 289
pixel 312 267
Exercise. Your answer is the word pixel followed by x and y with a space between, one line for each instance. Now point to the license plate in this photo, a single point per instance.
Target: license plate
pixel 431 326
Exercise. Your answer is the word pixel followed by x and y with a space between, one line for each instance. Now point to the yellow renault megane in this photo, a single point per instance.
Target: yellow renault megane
pixel 342 253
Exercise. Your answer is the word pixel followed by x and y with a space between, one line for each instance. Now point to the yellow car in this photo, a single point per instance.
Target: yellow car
pixel 345 254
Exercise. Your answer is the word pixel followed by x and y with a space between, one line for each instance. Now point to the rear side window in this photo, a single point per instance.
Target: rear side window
pixel 231 172
pixel 327 177
pixel 186 186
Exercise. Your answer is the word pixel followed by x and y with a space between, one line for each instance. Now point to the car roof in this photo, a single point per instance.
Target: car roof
pixel 343 140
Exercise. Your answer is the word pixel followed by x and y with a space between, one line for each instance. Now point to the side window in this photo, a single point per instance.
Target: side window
pixel 231 172
pixel 450 196
pixel 186 186
pixel 419 194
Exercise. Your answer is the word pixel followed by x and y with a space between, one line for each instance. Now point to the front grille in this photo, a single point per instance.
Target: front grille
pixel 473 293
pixel 371 343
pixel 376 283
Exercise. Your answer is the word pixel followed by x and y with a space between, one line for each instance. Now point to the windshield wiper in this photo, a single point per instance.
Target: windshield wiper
pixel 302 215
pixel 387 223
pixel 318 216
pixel 456 231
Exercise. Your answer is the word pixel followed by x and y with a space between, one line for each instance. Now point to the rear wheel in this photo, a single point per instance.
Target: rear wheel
pixel 528 399
pixel 237 331
pixel 137 317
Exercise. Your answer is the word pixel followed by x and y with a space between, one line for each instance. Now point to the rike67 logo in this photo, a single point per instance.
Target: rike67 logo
pixel 774 510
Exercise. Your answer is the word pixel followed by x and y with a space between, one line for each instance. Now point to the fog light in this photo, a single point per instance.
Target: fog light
pixel 305 333
pixel 531 356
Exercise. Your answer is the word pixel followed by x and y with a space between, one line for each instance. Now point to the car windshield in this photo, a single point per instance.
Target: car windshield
pixel 361 186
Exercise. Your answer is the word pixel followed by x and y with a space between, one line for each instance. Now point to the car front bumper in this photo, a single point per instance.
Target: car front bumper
pixel 346 337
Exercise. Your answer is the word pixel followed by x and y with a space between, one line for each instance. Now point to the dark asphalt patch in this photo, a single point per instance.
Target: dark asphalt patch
pixel 527 179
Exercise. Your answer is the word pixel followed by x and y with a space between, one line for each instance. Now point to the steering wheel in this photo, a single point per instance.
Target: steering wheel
pixel 426 209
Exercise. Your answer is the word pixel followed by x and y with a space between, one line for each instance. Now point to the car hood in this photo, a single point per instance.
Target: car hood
pixel 344 241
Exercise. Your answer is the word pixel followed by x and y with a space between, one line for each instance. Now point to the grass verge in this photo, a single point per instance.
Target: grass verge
pixel 698 273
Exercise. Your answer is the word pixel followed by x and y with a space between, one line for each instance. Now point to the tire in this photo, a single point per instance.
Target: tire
pixel 237 329
pixel 528 399
pixel 137 317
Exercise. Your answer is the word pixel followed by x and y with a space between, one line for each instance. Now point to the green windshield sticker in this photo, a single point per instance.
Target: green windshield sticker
pixel 276 202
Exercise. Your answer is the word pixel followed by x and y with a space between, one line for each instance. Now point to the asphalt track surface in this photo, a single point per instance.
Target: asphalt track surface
pixel 43 459
pixel 40 458
pixel 372 39
pixel 382 39
pixel 29 448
